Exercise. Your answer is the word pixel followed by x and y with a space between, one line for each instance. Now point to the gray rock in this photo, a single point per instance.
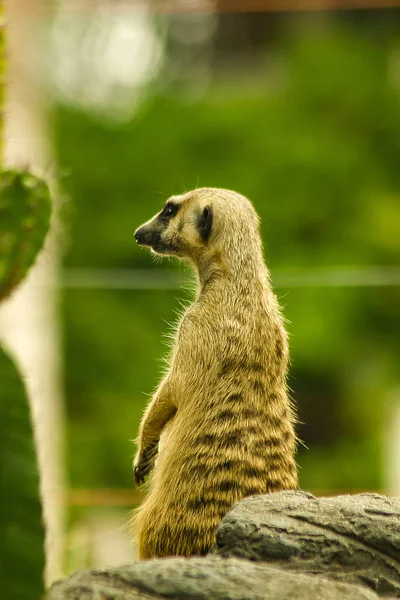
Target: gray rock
pixel 210 578
pixel 353 539
pixel 298 548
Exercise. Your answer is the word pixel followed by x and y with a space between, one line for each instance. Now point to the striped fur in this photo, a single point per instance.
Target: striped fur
pixel 222 409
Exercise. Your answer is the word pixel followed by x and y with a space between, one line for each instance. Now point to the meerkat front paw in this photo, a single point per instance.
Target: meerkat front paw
pixel 142 465
pixel 140 472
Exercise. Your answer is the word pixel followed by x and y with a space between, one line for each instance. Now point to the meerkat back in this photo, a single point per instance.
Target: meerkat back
pixel 222 409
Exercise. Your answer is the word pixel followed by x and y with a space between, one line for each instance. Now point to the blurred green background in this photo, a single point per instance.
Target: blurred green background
pixel 301 113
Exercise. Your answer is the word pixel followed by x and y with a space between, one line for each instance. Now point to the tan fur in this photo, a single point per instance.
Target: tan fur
pixel 230 430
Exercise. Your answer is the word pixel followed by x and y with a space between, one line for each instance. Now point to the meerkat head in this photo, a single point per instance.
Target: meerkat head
pixel 198 223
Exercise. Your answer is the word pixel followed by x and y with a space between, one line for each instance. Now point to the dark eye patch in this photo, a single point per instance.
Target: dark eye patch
pixel 170 210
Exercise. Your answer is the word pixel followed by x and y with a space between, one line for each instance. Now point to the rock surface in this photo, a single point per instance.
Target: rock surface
pixel 203 579
pixel 349 538
pixel 284 546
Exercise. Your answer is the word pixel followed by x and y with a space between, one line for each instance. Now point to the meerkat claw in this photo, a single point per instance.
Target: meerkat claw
pixel 139 475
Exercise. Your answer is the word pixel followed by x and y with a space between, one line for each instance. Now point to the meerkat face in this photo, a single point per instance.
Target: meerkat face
pixel 183 226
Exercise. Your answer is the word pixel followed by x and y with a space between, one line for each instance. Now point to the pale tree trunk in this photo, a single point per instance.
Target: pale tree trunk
pixel 391 444
pixel 29 322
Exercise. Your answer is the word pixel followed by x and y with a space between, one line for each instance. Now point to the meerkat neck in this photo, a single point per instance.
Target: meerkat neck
pixel 226 269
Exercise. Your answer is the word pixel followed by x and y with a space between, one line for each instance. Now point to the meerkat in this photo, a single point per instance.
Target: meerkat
pixel 222 409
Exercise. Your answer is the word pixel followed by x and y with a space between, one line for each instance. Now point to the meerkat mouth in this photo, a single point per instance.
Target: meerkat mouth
pixel 152 239
pixel 164 249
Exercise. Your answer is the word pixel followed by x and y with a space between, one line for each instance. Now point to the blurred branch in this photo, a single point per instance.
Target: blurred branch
pixel 149 279
pixel 104 497
pixel 223 6
pixel 280 5
pixel 126 497
pixel 29 320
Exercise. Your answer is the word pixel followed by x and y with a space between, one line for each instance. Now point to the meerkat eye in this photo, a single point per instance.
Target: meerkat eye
pixel 170 210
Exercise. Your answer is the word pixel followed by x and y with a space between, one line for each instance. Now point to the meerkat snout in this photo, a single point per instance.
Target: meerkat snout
pixel 179 228
pixel 156 232
pixel 147 236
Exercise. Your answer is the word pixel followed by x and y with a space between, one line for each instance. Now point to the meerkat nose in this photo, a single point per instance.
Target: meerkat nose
pixel 144 236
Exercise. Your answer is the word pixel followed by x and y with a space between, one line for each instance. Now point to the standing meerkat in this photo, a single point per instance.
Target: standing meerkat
pixel 222 409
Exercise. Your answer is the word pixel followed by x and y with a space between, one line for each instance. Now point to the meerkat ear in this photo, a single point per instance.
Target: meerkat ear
pixel 204 223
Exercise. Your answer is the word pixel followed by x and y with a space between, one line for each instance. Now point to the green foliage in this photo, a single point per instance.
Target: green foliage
pixel 24 221
pixel 25 208
pixel 21 529
pixel 2 79
pixel 316 150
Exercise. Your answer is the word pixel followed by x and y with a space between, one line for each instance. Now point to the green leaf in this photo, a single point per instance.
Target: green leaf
pixel 21 527
pixel 25 208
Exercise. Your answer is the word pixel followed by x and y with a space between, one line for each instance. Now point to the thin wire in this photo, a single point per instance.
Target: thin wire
pixel 159 279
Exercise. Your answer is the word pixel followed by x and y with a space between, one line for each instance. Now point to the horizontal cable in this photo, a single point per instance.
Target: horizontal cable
pixel 161 279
